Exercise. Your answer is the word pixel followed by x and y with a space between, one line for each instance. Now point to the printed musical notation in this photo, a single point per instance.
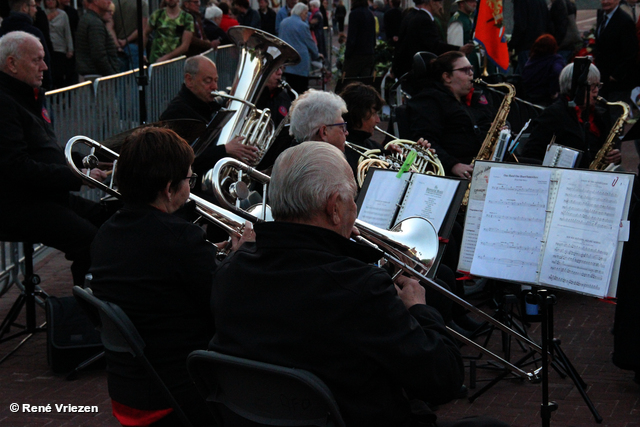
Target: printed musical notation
pixel 582 244
pixel 512 224
pixel 575 242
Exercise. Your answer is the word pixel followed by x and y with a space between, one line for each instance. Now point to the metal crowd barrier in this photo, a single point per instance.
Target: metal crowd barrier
pixel 106 107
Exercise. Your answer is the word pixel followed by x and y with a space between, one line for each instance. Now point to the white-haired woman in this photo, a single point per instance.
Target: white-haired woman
pixel 295 31
pixel 584 126
pixel 211 23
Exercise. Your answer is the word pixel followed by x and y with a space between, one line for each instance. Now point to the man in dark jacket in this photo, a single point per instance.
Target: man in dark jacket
pixel 21 19
pixel 96 52
pixel 529 22
pixel 36 203
pixel 305 296
pixel 361 41
pixel 246 15
pixel 419 33
pixel 196 101
pixel 616 51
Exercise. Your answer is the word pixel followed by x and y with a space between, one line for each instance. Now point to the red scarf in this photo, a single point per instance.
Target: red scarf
pixel 592 125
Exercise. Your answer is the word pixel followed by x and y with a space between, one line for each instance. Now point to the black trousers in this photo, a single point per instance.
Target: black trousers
pixel 69 227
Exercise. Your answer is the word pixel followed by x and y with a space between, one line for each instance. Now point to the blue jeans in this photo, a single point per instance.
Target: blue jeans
pixel 129 60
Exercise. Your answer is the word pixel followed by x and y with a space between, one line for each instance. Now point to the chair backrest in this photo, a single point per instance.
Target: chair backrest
pixel 119 335
pixel 263 393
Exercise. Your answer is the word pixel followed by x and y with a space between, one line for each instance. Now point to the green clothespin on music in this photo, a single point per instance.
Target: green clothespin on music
pixel 407 164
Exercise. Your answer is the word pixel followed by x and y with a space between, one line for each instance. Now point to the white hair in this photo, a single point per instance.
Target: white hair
pixel 313 109
pixel 11 45
pixel 212 12
pixel 566 78
pixel 303 179
pixel 314 4
pixel 300 9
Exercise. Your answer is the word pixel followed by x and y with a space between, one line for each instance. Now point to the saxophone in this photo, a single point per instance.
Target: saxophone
pixel 600 163
pixel 491 140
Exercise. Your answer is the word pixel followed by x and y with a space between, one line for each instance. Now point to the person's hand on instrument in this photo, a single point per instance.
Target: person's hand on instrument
pixel 242 152
pixel 410 291
pixel 462 170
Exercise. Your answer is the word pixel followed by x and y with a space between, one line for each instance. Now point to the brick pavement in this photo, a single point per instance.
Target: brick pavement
pixel 582 323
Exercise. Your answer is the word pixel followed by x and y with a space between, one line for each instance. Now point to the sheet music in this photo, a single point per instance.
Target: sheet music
pixel 382 198
pixel 560 156
pixel 512 226
pixel 428 197
pixel 583 235
pixel 470 236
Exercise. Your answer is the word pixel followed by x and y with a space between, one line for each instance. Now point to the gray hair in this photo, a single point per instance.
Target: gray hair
pixel 379 3
pixel 314 3
pixel 566 78
pixel 313 109
pixel 192 65
pixel 303 179
pixel 212 12
pixel 11 45
pixel 300 9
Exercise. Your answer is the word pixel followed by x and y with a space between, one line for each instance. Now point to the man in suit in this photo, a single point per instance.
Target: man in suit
pixel 419 33
pixel 616 50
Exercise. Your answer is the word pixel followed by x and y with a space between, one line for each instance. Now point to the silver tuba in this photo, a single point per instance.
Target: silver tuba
pixel 260 55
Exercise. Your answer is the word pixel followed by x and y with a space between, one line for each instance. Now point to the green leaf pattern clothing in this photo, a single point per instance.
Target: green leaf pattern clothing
pixel 168 32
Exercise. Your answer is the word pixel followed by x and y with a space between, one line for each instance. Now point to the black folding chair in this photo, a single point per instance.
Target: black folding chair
pixel 120 335
pixel 263 393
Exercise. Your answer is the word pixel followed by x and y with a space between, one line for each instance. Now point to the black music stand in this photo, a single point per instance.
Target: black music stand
pixel 27 298
pixel 504 313
pixel 551 346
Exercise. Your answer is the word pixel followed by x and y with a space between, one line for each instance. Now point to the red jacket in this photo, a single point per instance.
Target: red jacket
pixel 228 22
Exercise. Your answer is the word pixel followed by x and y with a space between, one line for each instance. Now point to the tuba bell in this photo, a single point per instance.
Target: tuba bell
pixel 261 54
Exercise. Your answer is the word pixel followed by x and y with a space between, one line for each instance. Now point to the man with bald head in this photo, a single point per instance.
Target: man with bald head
pixel 196 101
pixel 36 203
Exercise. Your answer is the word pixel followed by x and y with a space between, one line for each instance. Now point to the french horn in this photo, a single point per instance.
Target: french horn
pixel 425 161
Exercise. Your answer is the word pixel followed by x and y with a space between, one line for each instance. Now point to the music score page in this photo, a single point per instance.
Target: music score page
pixel 583 237
pixel 383 198
pixel 512 226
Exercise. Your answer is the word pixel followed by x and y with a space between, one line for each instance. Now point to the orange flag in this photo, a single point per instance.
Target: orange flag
pixel 490 32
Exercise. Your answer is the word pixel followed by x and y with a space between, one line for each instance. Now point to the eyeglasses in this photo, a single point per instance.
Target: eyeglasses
pixel 192 180
pixel 467 70
pixel 595 86
pixel 343 126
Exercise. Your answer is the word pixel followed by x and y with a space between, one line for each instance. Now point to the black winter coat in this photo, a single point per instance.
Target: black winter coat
pixel 306 297
pixel 32 164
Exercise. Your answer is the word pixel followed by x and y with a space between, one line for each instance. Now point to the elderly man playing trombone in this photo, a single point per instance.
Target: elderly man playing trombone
pixel 36 203
pixel 329 310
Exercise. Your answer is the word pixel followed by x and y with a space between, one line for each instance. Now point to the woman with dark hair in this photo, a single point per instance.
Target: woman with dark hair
pixel 363 103
pixel 159 269
pixel 449 114
pixel 542 70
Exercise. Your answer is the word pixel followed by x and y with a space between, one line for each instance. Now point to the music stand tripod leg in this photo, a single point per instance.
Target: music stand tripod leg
pixel 27 298
pixel 552 346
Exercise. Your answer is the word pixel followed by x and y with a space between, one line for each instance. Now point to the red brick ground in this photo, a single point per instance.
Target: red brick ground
pixel 583 324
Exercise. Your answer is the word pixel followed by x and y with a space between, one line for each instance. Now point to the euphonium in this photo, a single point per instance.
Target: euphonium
pixel 600 162
pixel 425 162
pixel 491 140
pixel 261 54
